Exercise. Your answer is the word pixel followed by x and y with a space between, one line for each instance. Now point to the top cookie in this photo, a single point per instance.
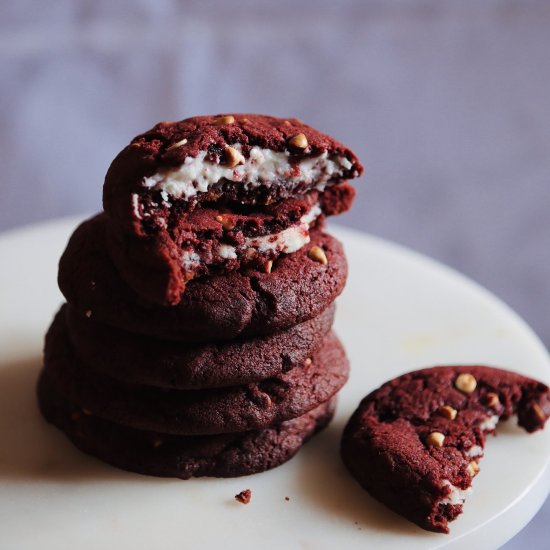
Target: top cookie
pixel 234 158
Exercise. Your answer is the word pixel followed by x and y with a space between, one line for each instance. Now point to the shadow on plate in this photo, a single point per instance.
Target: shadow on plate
pixel 30 447
pixel 326 483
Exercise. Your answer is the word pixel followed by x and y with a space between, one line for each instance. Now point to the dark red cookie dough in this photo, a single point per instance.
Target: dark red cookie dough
pixel 418 435
pixel 159 266
pixel 193 412
pixel 168 144
pixel 227 455
pixel 220 307
pixel 137 359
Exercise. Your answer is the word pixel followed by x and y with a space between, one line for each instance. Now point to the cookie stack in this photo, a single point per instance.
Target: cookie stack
pixel 197 335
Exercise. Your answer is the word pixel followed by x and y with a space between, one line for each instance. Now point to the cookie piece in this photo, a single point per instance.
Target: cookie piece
pixel 227 455
pixel 414 443
pixel 226 410
pixel 212 241
pixel 237 159
pixel 220 307
pixel 173 365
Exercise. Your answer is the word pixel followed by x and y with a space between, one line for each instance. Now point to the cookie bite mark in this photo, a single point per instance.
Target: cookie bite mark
pixel 220 307
pixel 415 443
pixel 210 240
pixel 198 259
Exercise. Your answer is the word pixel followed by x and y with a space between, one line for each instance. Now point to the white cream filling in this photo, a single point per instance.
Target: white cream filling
pixel 475 451
pixel 490 423
pixel 227 252
pixel 262 167
pixel 456 496
pixel 135 205
pixel 189 259
pixel 287 241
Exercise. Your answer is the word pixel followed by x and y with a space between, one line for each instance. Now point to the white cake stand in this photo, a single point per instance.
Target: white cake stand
pixel 400 311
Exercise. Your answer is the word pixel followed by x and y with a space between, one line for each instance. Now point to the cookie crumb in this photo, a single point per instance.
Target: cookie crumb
pixel 244 496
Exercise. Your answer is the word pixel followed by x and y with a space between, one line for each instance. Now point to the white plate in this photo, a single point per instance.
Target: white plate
pixel 400 311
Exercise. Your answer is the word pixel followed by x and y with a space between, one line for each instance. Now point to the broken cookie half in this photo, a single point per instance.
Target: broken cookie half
pixel 416 442
pixel 214 194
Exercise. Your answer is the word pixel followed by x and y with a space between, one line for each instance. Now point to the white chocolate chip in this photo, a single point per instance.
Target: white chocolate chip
pixel 465 382
pixel 435 439
pixel 473 468
pixel 317 254
pixel 492 400
pixel 448 412
pixel 179 143
pixel 229 119
pixel 299 141
pixel 233 157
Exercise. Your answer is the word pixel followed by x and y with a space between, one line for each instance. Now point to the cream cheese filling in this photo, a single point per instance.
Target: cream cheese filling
pixel 490 423
pixel 456 496
pixel 286 241
pixel 290 239
pixel 475 451
pixel 261 168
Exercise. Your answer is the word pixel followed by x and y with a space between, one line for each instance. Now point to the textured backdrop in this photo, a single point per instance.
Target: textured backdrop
pixel 446 102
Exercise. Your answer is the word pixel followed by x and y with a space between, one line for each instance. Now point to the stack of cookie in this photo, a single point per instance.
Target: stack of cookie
pixel 197 335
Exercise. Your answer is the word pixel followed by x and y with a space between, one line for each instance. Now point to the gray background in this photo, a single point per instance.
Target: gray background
pixel 446 102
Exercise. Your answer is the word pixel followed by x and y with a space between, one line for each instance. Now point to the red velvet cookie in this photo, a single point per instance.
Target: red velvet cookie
pixel 240 159
pixel 210 241
pixel 245 303
pixel 158 454
pixel 220 193
pixel 414 443
pixel 196 412
pixel 136 359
